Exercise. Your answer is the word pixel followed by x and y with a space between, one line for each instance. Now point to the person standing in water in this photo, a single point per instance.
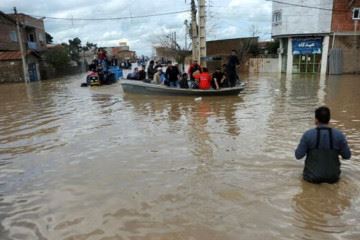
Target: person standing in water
pixel 322 147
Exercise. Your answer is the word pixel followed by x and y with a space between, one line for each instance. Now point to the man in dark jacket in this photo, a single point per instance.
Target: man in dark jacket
pixel 151 70
pixel 322 147
pixel 231 68
pixel 172 75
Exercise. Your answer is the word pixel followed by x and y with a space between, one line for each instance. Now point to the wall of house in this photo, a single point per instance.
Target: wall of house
pixel 299 20
pixel 342 17
pixel 224 47
pixel 263 65
pixel 6 27
pixel 11 71
pixel 350 46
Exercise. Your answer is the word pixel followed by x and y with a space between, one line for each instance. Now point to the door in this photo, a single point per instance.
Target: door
pixel 32 72
pixel 307 63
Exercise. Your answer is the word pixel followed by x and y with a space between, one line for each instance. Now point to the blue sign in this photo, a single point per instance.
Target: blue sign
pixel 305 46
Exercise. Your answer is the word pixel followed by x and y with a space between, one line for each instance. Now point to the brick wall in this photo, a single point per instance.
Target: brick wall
pixel 350 46
pixel 11 71
pixel 342 16
pixel 6 27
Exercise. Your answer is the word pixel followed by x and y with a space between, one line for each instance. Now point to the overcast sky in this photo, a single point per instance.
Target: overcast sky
pixel 226 19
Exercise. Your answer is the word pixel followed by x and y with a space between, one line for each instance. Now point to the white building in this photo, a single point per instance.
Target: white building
pixel 303 28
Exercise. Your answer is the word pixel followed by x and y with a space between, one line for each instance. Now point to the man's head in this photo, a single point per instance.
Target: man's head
pixel 233 52
pixel 322 115
pixel 205 70
pixel 136 69
pixel 217 69
pixel 195 62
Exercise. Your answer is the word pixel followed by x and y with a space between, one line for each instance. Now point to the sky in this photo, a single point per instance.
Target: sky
pixel 225 19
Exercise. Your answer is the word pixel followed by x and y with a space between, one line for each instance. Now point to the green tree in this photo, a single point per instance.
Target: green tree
pixel 74 49
pixel 58 57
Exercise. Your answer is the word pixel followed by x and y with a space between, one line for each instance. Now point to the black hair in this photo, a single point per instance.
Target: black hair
pixel 322 114
pixel 205 69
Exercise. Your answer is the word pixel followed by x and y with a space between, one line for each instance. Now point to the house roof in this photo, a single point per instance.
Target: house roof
pixel 10 55
pixel 7 17
pixel 13 55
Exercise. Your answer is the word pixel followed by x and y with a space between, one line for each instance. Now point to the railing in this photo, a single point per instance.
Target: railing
pixel 32 45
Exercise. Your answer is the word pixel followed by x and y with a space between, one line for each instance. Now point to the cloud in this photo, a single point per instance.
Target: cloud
pixel 226 19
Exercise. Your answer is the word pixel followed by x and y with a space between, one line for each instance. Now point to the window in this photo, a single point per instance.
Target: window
pixel 31 37
pixel 276 17
pixel 13 36
pixel 356 13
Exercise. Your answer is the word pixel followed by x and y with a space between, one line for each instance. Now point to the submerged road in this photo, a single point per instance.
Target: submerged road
pixel 94 163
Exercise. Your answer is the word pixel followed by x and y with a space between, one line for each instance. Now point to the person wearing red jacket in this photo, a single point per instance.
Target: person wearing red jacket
pixel 204 79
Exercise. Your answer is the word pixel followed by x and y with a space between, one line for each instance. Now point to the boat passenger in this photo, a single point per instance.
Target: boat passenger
pixel 193 68
pixel 231 68
pixel 142 74
pixel 184 81
pixel 322 146
pixel 114 61
pixel 134 75
pixel 151 70
pixel 172 75
pixel 157 76
pixel 217 79
pixel 203 79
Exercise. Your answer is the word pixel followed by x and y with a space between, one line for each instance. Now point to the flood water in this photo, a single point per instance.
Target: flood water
pixel 95 163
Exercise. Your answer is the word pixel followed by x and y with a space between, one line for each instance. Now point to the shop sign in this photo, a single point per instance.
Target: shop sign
pixel 303 46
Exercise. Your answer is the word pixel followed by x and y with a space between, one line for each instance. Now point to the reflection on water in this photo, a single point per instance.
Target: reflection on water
pixel 94 163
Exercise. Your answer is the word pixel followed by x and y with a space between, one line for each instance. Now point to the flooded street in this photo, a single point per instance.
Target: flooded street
pixel 95 163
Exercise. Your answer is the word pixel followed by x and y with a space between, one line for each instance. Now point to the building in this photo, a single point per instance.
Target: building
pixel 306 30
pixel 33 40
pixel 304 34
pixel 344 56
pixel 218 51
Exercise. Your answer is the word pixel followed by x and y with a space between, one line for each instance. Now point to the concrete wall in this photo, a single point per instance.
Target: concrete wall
pixel 299 20
pixel 11 71
pixel 342 18
pixel 263 65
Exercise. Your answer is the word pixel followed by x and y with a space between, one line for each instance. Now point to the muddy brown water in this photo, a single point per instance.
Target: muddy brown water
pixel 95 163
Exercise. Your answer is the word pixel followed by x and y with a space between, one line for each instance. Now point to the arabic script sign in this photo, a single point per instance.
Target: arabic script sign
pixel 305 46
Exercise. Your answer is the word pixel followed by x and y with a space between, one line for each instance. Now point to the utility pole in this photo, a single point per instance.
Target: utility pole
pixel 194 30
pixel 186 33
pixel 202 32
pixel 23 57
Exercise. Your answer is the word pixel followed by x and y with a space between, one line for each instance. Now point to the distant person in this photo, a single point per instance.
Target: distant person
pixel 134 75
pixel 194 67
pixel 231 68
pixel 203 79
pixel 151 70
pixel 114 61
pixel 322 147
pixel 172 75
pixel 184 81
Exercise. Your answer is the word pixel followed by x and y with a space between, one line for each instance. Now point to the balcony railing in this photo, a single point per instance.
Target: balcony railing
pixel 32 45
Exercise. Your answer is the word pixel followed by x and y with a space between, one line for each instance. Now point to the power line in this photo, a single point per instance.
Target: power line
pixel 114 18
